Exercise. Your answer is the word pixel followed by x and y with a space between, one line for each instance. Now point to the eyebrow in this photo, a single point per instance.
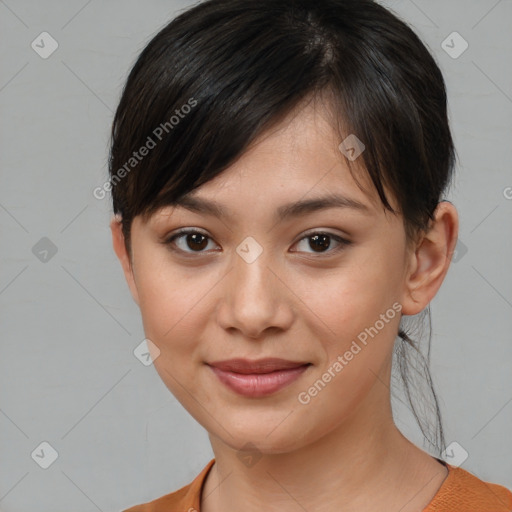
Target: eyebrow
pixel 286 211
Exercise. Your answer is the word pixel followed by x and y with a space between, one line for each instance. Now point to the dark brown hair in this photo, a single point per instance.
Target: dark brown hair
pixel 224 71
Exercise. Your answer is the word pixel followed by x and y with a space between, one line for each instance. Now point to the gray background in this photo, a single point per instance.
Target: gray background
pixel 68 374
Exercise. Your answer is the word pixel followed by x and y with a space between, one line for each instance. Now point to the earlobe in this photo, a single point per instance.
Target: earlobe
pixel 430 260
pixel 119 245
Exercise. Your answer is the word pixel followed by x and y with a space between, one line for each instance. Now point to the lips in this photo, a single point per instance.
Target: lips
pixel 259 378
pixel 246 366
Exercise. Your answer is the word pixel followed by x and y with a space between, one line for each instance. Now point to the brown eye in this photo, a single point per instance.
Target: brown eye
pixel 319 242
pixel 322 243
pixel 188 241
pixel 196 241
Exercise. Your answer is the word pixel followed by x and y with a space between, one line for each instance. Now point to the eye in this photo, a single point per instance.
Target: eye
pixel 322 242
pixel 188 241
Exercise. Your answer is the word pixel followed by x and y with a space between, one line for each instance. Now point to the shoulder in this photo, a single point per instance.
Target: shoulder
pixel 463 491
pixel 185 499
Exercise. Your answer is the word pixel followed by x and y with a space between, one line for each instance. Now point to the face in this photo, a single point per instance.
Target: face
pixel 264 279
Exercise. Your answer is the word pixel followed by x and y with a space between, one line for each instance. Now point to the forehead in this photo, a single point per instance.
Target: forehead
pixel 297 159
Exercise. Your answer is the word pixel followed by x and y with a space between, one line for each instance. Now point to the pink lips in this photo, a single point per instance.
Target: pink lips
pixel 257 378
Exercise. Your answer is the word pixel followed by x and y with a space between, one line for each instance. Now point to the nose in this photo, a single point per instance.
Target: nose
pixel 254 299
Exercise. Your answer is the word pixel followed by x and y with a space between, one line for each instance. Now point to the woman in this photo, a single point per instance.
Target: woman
pixel 277 173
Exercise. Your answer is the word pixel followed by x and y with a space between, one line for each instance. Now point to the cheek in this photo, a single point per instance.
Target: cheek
pixel 355 321
pixel 173 313
pixel 172 305
pixel 352 297
pixel 356 357
pixel 168 294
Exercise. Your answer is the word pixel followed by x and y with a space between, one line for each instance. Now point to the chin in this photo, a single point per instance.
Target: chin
pixel 261 438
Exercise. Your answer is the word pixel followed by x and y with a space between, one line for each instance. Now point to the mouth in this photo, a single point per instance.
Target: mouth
pixel 247 366
pixel 257 378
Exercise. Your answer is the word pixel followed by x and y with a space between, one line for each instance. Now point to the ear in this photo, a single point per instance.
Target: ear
pixel 124 257
pixel 430 259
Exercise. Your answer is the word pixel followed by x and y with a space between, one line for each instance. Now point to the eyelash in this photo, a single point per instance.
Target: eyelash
pixel 342 242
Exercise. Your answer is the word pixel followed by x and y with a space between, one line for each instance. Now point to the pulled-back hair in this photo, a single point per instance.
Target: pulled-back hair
pixel 224 71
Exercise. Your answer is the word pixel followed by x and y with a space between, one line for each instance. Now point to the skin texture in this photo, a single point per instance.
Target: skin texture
pixel 342 450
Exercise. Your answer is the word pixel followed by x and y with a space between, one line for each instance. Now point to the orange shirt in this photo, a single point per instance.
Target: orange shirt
pixel 461 491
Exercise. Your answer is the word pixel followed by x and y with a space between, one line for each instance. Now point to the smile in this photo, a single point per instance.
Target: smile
pixel 258 378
